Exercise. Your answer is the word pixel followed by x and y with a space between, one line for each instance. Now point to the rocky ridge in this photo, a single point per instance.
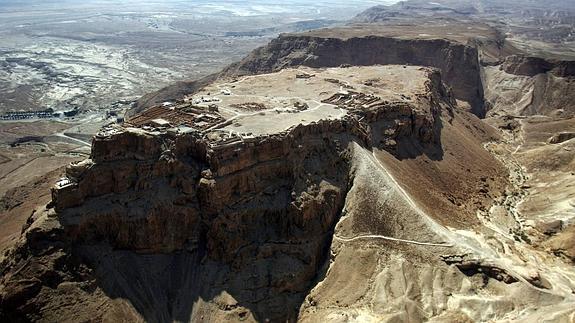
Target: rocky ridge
pixel 393 212
pixel 243 207
pixel 458 61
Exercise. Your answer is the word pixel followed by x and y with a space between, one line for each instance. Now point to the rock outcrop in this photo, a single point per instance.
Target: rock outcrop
pixel 253 218
pixel 458 63
pixel 531 66
pixel 524 85
pixel 381 206
pixel 416 9
pixel 358 45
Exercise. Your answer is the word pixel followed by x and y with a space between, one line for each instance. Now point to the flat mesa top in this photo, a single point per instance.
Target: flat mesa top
pixel 451 30
pixel 271 103
pixel 252 106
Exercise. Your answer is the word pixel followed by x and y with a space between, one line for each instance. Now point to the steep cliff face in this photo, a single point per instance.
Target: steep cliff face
pixel 531 66
pixel 523 85
pixel 234 231
pixel 362 214
pixel 456 58
pixel 459 63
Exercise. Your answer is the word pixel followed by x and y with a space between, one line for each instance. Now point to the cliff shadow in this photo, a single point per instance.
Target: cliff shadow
pixel 414 146
pixel 410 143
pixel 259 252
pixel 186 287
pixel 160 287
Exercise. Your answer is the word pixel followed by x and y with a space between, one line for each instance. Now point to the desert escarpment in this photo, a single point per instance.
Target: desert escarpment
pixel 531 66
pixel 458 62
pixel 455 55
pixel 201 180
pixel 223 212
pixel 524 86
pixel 252 198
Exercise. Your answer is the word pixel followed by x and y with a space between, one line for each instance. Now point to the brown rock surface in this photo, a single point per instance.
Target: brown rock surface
pixel 563 244
pixel 448 45
pixel 152 209
pixel 359 193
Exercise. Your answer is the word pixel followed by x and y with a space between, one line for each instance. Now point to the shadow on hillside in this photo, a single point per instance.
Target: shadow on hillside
pixel 179 286
pixel 412 145
pixel 259 253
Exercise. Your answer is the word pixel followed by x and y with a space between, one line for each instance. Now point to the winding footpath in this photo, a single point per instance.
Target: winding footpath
pixel 374 236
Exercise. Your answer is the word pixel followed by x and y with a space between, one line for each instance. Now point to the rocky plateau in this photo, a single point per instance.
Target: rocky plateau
pixel 376 172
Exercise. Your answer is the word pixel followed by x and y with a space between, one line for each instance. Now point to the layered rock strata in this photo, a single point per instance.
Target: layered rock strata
pixel 457 59
pixel 458 62
pixel 253 218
